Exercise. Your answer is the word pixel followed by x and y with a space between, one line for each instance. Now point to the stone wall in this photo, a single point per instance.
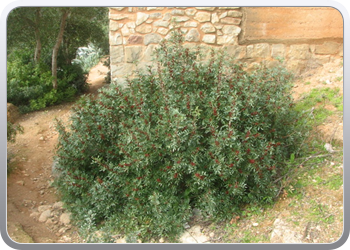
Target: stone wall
pixel 136 31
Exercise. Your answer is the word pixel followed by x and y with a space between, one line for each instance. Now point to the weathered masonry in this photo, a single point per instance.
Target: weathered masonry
pixel 305 37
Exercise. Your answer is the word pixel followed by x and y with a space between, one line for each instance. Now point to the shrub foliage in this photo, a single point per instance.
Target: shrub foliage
pixel 29 84
pixel 186 134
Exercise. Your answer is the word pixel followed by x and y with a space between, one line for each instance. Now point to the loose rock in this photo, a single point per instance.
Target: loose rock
pixel 45 215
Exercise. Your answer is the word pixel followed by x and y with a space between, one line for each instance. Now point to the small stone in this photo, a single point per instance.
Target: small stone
pixel 45 215
pixel 211 235
pixel 141 17
pixel 42 192
pixel 21 183
pixel 41 138
pixel 44 207
pixel 202 17
pixel 65 218
pixel 58 205
pixel 34 215
pixel 120 240
pixel 328 147
pixel 186 226
pixel 255 224
pixel 161 240
pixel 62 230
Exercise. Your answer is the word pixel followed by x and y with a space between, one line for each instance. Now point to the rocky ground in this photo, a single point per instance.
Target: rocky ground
pixel 35 213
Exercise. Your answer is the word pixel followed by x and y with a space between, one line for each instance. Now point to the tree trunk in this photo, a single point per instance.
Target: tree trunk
pixel 37 54
pixel 57 46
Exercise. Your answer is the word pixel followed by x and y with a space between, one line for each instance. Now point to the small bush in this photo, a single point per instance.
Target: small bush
pixel 88 57
pixel 186 135
pixel 29 84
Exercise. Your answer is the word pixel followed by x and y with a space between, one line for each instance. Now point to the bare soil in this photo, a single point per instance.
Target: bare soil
pixel 31 156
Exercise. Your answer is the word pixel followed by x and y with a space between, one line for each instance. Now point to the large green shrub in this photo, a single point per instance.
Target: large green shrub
pixel 186 135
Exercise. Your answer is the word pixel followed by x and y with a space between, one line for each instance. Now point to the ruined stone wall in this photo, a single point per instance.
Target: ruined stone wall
pixel 250 34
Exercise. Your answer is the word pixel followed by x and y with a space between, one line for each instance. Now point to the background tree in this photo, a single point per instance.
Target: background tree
pixel 64 16
pixel 42 43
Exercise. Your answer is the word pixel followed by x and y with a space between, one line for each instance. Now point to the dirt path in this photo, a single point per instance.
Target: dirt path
pixel 29 181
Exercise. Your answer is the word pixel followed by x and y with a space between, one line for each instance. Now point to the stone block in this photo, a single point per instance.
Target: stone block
pixel 202 17
pixel 230 20
pixel 209 39
pixel 236 51
pixel 278 50
pixel 161 23
pixel 155 15
pixel 261 50
pixel 152 38
pixel 133 53
pixel 149 52
pixel 117 54
pixel 226 39
pixel 206 8
pixel 163 31
pixel 177 12
pixel 231 30
pixel 299 52
pixel 144 28
pixel 328 48
pixel 190 12
pixel 115 38
pixel 228 8
pixel 208 28
pixel 234 13
pixel 155 8
pixel 190 24
pixel 167 17
pixel 135 39
pixel 113 25
pixel 118 17
pixel 180 19
pixel 192 36
pixel 125 31
pixel 118 8
pixel 121 69
pixel 214 18
pixel 141 18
